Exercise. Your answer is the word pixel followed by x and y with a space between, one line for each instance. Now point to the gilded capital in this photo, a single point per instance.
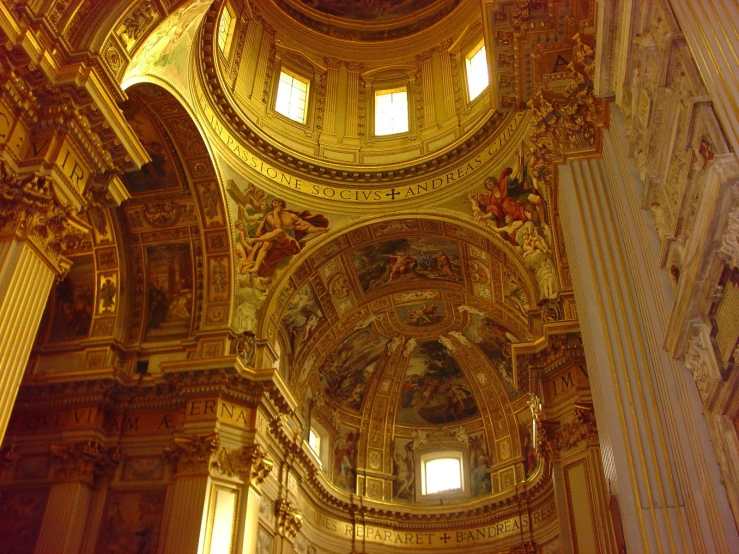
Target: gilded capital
pixel 88 461
pixel 250 463
pixel 192 453
pixel 31 210
pixel 289 518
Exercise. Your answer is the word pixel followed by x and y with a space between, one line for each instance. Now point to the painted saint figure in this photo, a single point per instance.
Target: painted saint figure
pixel 281 233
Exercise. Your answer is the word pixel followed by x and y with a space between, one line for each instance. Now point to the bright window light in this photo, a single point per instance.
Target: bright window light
pixel 225 28
pixel 391 111
pixel 442 474
pixel 314 441
pixel 292 96
pixel 477 71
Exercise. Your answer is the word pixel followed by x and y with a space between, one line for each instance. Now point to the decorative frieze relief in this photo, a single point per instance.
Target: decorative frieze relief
pixel 88 461
pixel 249 463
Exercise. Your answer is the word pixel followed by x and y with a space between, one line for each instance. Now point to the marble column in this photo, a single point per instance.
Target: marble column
pixel 656 454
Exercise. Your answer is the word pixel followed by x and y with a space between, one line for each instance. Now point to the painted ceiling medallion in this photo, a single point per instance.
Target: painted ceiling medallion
pixel 349 19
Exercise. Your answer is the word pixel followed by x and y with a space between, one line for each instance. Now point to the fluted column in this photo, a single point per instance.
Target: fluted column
pixel 710 28
pixel 447 80
pixel 245 47
pixel 656 454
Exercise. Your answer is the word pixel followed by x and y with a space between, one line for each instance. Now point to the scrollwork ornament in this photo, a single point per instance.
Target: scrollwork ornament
pixel 30 209
pixel 566 122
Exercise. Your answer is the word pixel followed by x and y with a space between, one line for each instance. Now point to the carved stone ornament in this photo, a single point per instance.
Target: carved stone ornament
pixel 249 463
pixel 555 437
pixel 30 209
pixel 289 518
pixel 730 238
pixel 566 122
pixel 86 461
pixel 700 360
pixel 191 453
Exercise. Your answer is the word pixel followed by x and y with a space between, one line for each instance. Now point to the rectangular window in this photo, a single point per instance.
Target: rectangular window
pixel 225 28
pixel 391 111
pixel 292 96
pixel 442 474
pixel 477 71
pixel 314 441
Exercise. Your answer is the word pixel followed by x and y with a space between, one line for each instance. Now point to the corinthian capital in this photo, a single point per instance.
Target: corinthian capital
pixel 249 463
pixel 30 209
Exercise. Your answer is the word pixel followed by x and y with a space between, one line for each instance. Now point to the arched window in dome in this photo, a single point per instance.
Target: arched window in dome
pixel 476 64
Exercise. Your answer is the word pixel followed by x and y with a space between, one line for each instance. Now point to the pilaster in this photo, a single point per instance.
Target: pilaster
pixel 657 458
pixel 77 469
pixel 190 457
pixel 333 66
pixel 353 92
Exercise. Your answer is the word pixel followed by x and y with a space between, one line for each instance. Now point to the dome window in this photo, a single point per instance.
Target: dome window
pixel 477 71
pixel 441 472
pixel 391 111
pixel 226 28
pixel 314 441
pixel 292 96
